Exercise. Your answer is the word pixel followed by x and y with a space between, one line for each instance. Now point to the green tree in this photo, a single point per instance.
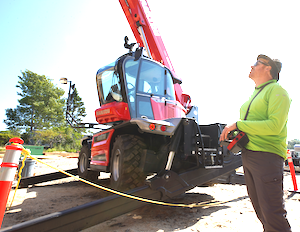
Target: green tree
pixel 76 106
pixel 41 105
pixel 5 136
pixel 41 114
pixel 62 138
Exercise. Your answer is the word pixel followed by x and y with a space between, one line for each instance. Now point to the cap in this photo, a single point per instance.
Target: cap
pixel 275 65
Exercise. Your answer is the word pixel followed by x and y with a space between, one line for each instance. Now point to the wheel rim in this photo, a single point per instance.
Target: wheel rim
pixel 82 163
pixel 116 165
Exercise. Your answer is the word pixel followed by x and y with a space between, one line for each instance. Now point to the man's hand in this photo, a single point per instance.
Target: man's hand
pixel 226 131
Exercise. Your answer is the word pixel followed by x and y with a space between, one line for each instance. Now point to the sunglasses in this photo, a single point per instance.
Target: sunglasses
pixel 259 61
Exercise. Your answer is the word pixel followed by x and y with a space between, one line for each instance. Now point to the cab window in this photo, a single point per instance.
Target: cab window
pixel 170 92
pixel 131 72
pixel 151 78
pixel 109 87
pixel 155 80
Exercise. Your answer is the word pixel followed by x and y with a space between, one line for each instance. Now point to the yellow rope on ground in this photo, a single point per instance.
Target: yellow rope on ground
pixel 26 153
pixel 117 192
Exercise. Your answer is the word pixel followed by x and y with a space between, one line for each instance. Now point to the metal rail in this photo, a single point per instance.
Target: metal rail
pixel 93 213
pixel 46 177
pixel 87 215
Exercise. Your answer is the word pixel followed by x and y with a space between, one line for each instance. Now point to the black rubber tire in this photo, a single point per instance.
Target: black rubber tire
pixel 125 163
pixel 84 164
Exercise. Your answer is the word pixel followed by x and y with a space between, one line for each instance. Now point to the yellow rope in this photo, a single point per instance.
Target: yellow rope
pixel 26 153
pixel 117 192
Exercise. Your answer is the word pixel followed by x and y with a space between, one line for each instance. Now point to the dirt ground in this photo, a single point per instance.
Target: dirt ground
pixel 235 215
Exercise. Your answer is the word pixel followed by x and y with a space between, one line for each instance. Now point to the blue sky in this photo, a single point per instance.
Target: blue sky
pixel 212 45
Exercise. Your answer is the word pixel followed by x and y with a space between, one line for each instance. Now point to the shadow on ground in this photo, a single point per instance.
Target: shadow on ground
pixel 164 218
pixel 49 197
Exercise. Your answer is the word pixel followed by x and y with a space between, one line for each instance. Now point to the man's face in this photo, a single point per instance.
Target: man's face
pixel 259 69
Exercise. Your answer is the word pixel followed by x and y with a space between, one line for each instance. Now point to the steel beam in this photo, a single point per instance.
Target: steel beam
pixel 87 215
pixel 25 181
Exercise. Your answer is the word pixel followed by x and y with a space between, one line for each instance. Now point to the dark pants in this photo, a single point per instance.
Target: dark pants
pixel 264 180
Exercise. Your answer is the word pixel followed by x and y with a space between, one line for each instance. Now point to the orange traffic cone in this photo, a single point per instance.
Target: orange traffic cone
pixel 292 170
pixel 8 170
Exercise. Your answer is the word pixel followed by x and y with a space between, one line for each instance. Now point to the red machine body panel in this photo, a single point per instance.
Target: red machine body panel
pixel 101 148
pixel 112 112
pixel 166 109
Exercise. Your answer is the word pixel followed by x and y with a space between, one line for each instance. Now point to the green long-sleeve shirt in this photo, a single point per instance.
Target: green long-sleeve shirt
pixel 266 122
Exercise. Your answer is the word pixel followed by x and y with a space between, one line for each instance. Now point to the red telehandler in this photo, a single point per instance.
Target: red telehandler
pixel 152 127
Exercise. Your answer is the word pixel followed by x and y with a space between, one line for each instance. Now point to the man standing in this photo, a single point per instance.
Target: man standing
pixel 263 119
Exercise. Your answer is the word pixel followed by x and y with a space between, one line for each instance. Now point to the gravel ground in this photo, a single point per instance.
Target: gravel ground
pixel 236 214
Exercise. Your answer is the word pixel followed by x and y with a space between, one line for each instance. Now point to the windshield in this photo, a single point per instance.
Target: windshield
pixel 108 84
pixel 146 79
pixel 155 80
